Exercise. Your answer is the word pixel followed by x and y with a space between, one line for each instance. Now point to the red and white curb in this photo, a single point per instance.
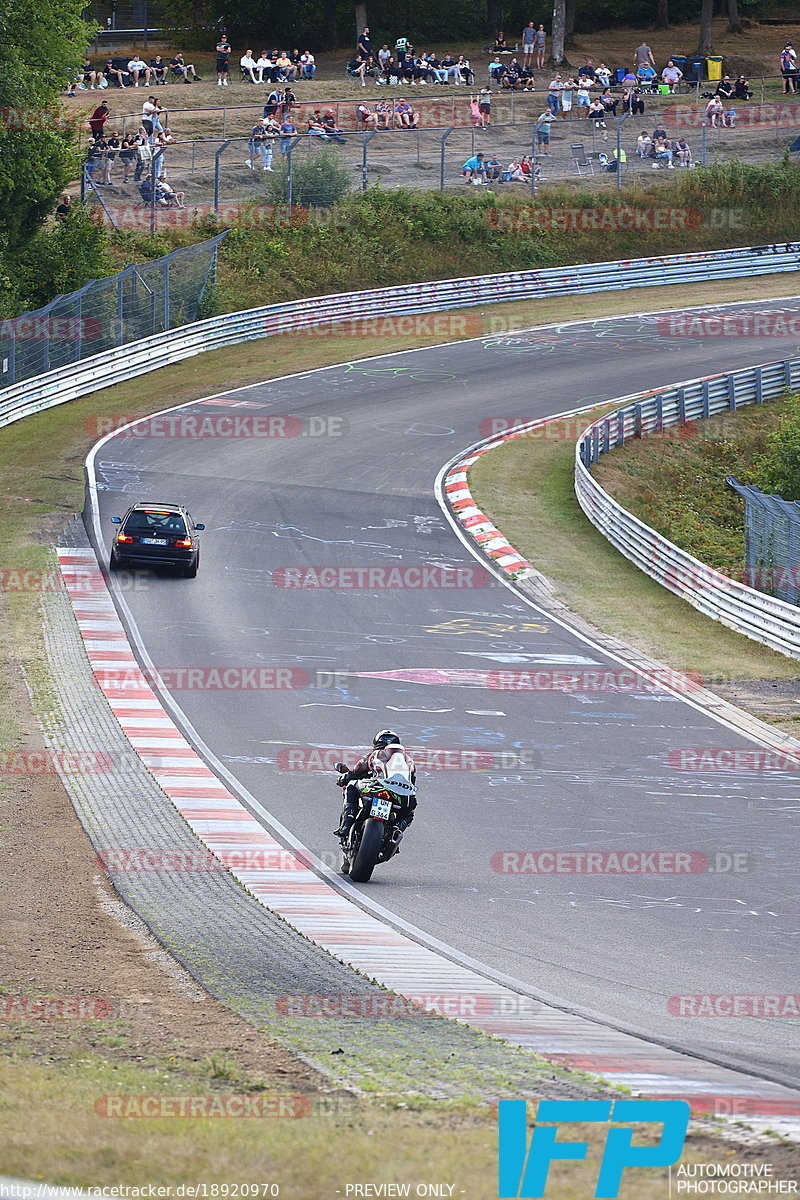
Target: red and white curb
pixel 283 882
pixel 476 523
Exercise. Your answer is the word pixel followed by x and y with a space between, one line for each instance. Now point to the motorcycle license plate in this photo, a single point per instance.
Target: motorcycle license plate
pixel 382 809
pixel 154 541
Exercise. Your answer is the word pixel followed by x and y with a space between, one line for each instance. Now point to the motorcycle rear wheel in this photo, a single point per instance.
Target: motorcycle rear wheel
pixel 369 848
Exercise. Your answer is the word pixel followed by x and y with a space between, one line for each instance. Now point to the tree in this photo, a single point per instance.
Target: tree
pixel 361 19
pixel 569 20
pixel 706 34
pixel 734 20
pixel 662 14
pixel 494 17
pixel 559 31
pixel 41 44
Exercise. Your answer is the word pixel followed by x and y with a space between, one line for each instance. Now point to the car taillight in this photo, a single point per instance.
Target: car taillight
pixel 184 542
pixel 124 537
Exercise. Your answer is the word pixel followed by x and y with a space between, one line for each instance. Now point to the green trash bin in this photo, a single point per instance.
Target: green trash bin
pixel 663 89
pixel 714 68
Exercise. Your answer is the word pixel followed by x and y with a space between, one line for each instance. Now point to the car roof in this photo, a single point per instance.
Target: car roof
pixel 147 505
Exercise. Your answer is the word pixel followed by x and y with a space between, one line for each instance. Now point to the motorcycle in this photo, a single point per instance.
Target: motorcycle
pixel 374 836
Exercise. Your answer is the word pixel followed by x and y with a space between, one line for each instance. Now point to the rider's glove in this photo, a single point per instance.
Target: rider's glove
pixel 343 780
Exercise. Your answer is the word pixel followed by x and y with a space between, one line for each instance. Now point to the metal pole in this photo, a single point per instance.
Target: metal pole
pixel 367 139
pixel 705 138
pixel 153 161
pixel 289 182
pixel 224 122
pixel 120 314
pixel 762 89
pixel 534 158
pixel 445 136
pixel 145 24
pixel 166 294
pixel 217 157
pixel 620 120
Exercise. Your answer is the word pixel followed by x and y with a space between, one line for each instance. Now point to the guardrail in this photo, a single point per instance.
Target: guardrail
pixel 758 616
pixel 138 358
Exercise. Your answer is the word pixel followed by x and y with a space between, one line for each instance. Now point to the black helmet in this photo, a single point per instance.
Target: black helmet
pixel 385 738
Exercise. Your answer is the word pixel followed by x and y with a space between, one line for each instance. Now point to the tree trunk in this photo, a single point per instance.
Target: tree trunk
pixel 361 19
pixel 662 14
pixel 734 20
pixel 494 17
pixel 569 20
pixel 706 35
pixel 329 31
pixel 559 31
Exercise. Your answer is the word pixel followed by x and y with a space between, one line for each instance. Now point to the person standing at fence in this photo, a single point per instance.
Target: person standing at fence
pixel 789 69
pixel 528 44
pixel 64 209
pixel 288 132
pixel 540 42
pixel 98 120
pixel 223 59
pixel 144 154
pixel 543 130
pixel 554 94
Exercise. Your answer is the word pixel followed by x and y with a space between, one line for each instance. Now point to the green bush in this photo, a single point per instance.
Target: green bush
pixel 777 470
pixel 319 179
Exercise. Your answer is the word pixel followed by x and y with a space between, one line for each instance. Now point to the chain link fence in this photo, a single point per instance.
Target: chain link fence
pixel 772 541
pixel 144 299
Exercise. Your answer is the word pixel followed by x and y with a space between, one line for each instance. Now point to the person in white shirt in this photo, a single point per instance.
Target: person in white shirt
pixel 603 75
pixel 643 144
pixel 671 75
pixel 137 66
pixel 248 65
pixel 308 65
pixel 262 65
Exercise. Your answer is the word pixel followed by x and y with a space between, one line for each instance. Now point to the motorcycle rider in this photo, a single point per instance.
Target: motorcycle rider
pixel 386 744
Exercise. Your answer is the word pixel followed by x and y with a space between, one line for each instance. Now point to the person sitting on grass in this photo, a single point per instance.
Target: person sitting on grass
pixel 683 152
pixel 365 118
pixel 663 153
pixel 315 126
pixel 644 144
pixel 494 170
pixel 741 88
pixel 404 115
pixel 474 170
pixel 725 88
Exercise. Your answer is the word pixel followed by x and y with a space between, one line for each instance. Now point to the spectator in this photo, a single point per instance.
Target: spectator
pixel 315 126
pixel 127 156
pixel 714 110
pixel 643 54
pixel 331 128
pixel 111 72
pixel 466 74
pixel 645 74
pixel 485 106
pixel 528 44
pixel 448 70
pixel 473 169
pixel 288 102
pixel 494 169
pixel 384 112
pixel 632 102
pixel 365 117
pixel 357 67
pixel 223 59
pixel 671 75
pixel 144 154
pixel 663 153
pixel 609 102
pixel 789 69
pixel 173 199
pixel 247 65
pixel 543 130
pixel 89 75
pixel 112 149
pixel 540 41
pixel 95 157
pixel 683 152
pixel 260 144
pixel 511 79
pixel 603 75
pixel 384 54
pixel 629 79
pixel 288 131
pixel 514 172
pixel 659 133
pixel 179 67
pixel 475 113
pixel 499 46
pixel 554 94
pixel 64 208
pixel 158 69
pixel 308 65
pixel 587 71
pixel 644 144
pixel 285 69
pixel 725 88
pixel 404 115
pixel 136 67
pixel 496 69
pixel 741 89
pixel 274 104
pixel 150 120
pixel 294 58
pixel 597 113
pixel 567 93
pixel 582 97
pixel 97 120
pixel 364 47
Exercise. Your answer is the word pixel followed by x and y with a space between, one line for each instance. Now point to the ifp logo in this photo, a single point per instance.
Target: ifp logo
pixel 523 1169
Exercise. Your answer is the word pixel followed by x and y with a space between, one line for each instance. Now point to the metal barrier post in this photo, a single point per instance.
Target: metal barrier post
pixel 367 139
pixel 165 269
pixel 120 314
pixel 217 156
pixel 224 122
pixel 289 156
pixel 534 158
pixel 620 120
pixel 445 136
pixel 704 150
pixel 153 162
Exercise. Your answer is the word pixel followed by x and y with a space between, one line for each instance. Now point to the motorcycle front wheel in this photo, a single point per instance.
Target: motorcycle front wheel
pixel 367 854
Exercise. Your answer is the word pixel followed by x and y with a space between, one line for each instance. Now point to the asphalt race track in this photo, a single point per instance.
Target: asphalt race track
pixel 595 773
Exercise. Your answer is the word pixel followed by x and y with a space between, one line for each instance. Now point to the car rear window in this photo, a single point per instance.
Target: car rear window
pixel 152 522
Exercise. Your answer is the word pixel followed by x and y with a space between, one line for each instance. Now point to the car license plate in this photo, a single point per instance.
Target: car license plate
pixel 382 809
pixel 154 541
